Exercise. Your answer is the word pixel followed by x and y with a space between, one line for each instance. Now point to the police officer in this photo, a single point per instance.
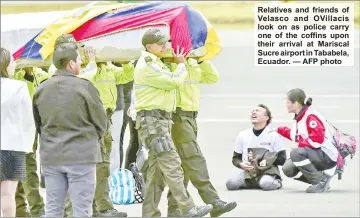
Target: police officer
pixel 106 79
pixel 29 188
pixel 184 135
pixel 155 100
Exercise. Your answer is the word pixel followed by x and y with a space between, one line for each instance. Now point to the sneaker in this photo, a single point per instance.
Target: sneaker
pixel 322 186
pixel 139 180
pixel 221 207
pixel 112 213
pixel 199 211
pixel 173 212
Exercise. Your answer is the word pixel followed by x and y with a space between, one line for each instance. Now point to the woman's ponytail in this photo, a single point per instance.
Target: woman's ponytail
pixel 308 101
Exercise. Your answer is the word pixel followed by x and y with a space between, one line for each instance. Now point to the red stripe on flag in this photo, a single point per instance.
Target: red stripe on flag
pixel 180 32
pixel 174 17
pixel 18 53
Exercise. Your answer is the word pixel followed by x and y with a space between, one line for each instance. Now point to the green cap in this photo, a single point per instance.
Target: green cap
pixel 155 36
pixel 67 38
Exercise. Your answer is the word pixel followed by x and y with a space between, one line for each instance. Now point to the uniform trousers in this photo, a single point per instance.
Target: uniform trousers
pixel 307 165
pixel 164 163
pixel 184 135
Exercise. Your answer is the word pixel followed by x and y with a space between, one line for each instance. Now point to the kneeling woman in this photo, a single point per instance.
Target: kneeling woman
pixel 315 153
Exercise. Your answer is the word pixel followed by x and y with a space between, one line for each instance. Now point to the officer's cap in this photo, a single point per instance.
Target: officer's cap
pixel 154 35
pixel 67 38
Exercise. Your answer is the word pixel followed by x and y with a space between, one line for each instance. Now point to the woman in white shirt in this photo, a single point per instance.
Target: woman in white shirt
pixel 17 132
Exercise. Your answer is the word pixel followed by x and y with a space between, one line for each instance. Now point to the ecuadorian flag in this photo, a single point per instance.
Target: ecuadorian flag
pixel 188 28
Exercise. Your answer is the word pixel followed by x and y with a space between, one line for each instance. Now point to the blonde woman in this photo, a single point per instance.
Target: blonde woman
pixel 17 132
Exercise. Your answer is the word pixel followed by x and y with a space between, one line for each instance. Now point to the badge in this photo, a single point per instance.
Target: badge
pixel 313 124
pixel 148 59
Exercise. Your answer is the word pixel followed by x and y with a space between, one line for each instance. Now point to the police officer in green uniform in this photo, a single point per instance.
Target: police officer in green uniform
pixel 184 134
pixel 29 188
pixel 155 100
pixel 105 80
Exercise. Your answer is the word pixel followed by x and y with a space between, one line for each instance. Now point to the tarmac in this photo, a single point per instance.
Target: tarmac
pixel 225 109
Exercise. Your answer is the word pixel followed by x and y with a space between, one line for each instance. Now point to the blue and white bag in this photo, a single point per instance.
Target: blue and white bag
pixel 122 187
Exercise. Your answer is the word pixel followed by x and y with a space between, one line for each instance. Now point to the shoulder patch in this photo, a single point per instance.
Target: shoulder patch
pixel 313 124
pixel 148 59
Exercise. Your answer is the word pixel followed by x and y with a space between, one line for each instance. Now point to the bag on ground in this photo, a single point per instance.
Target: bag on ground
pixel 122 187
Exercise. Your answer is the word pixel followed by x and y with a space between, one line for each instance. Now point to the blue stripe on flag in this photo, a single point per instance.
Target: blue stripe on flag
pixel 153 6
pixel 197 28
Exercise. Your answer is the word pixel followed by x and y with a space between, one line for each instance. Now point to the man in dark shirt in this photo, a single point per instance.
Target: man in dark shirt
pixel 259 136
pixel 71 121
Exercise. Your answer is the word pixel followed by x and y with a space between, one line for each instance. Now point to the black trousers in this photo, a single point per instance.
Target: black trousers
pixel 310 162
pixel 133 147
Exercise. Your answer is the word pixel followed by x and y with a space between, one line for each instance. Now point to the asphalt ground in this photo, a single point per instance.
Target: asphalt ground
pixel 225 110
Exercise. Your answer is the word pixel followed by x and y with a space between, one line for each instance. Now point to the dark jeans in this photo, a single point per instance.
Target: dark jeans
pixel 133 146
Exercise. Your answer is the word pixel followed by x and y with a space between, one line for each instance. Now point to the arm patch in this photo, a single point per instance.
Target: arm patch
pixel 148 59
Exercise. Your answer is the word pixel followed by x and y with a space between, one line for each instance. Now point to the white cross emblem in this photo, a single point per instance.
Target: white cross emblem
pixel 313 124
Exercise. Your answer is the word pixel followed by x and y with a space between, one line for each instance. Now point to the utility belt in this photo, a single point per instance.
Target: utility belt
pixel 180 112
pixel 156 113
pixel 162 141
pixel 162 144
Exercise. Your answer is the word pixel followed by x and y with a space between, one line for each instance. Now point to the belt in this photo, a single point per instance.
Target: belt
pixel 192 114
pixel 156 112
pixel 109 111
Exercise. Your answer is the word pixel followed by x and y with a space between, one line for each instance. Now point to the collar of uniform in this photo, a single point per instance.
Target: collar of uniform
pixel 64 73
pixel 301 113
pixel 102 67
pixel 152 56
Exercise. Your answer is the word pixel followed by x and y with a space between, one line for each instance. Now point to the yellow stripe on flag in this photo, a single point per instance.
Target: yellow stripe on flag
pixel 212 42
pixel 69 23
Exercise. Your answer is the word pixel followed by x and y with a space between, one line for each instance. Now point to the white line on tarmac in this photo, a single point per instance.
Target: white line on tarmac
pixel 209 120
pixel 276 96
pixel 251 107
